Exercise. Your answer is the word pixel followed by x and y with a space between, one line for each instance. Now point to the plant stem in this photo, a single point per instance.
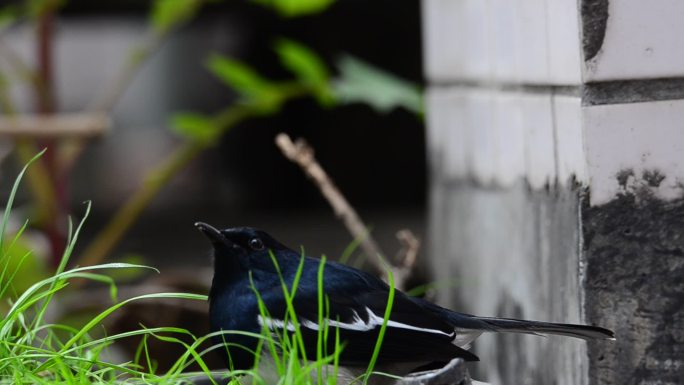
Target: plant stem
pixel 159 176
pixel 45 94
pixel 25 149
pixel 114 89
pixel 45 100
pixel 153 182
pixel 119 83
pixel 155 179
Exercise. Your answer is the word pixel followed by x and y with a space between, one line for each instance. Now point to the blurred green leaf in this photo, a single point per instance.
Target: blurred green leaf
pixel 36 8
pixel 20 265
pixel 359 82
pixel 294 8
pixel 3 82
pixel 167 14
pixel 302 61
pixel 308 67
pixel 256 90
pixel 8 15
pixel 239 76
pixel 195 127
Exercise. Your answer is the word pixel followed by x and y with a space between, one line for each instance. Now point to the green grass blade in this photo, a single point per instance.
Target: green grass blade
pixel 71 242
pixel 13 193
pixel 97 319
pixel 383 328
pixel 323 325
pixel 31 291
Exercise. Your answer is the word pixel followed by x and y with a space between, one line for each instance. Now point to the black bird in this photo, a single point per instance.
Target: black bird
pixel 418 332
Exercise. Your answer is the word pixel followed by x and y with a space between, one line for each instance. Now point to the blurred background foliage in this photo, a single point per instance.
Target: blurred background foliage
pixel 194 93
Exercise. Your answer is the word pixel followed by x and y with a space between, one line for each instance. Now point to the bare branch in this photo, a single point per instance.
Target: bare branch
pixel 408 254
pixel 410 246
pixel 301 153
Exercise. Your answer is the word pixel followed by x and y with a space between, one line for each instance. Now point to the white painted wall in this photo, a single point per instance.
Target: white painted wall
pixel 519 126
pixel 642 41
pixel 502 41
pixel 641 137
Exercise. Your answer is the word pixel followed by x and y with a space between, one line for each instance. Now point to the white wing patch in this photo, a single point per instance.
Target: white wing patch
pixel 357 324
pixel 271 323
pixel 464 337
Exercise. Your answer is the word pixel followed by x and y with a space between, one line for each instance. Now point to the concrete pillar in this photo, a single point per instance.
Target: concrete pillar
pixel 556 142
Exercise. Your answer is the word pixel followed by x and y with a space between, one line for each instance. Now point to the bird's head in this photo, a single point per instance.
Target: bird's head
pixel 242 248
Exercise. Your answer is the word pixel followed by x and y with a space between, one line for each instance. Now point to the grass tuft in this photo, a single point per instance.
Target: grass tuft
pixel 35 350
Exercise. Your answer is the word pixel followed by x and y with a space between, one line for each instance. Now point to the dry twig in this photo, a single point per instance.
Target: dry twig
pixel 407 255
pixel 82 125
pixel 301 153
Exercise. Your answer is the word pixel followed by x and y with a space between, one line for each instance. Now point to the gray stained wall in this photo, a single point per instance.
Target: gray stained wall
pixel 557 181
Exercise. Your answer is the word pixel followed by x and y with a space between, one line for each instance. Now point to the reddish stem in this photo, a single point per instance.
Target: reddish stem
pixel 45 94
pixel 46 105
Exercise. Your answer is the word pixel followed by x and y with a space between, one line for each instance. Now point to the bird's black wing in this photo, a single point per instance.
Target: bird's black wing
pixel 354 310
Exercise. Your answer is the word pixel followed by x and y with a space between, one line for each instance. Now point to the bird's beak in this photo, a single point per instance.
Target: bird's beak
pixel 214 235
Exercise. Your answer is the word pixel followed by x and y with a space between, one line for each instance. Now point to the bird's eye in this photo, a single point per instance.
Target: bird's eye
pixel 256 244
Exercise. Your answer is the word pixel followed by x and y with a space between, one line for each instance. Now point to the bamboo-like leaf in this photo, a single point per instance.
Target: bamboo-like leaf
pixel 196 127
pixel 8 15
pixel 36 8
pixel 308 67
pixel 294 8
pixel 168 14
pixel 254 89
pixel 359 82
pixel 238 75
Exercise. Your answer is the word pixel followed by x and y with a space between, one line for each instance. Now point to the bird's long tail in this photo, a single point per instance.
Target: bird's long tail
pixel 585 332
pixel 474 325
